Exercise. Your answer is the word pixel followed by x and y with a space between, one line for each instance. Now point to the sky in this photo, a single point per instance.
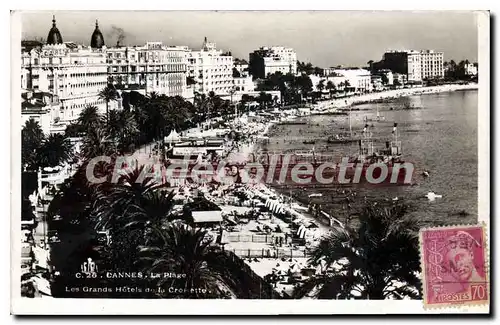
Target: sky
pixel 324 38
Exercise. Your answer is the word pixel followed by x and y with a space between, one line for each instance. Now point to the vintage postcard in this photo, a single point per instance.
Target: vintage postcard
pixel 311 161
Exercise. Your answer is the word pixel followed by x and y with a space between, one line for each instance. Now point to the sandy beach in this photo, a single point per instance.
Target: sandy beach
pixel 389 94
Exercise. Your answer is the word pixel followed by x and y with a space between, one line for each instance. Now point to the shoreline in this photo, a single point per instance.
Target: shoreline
pixel 388 95
pixel 337 104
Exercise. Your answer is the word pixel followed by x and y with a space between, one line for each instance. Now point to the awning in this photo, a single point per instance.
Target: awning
pixel 207 216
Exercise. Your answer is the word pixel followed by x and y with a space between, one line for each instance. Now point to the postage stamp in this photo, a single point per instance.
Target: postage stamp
pixel 454 266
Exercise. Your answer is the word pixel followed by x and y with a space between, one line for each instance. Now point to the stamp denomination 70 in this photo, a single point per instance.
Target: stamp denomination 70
pixel 454 266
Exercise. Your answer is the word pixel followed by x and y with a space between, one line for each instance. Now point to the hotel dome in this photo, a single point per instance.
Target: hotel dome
pixel 54 36
pixel 97 40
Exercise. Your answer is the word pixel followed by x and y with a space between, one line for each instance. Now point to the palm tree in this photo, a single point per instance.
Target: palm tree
pixel 321 86
pixel 130 189
pixel 108 94
pixel 304 85
pixel 184 250
pixel 347 84
pixel 96 143
pixel 122 127
pixel 378 260
pixel 261 99
pixel 54 150
pixel 154 95
pixel 210 103
pixel 130 209
pixel 32 138
pixel 90 118
pixel 330 86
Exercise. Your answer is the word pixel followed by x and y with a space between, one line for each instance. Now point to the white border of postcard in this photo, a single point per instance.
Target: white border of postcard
pixel 51 306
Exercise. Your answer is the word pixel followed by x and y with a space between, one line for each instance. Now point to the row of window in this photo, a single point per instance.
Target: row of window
pixel 170 55
pixel 150 62
pixel 85 75
pixel 84 85
pixel 219 76
pixel 167 68
pixel 93 103
pixel 59 61
pixel 218 83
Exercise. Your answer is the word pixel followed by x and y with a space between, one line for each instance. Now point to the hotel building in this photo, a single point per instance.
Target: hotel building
pixel 432 64
pixel 352 80
pixel 212 69
pixel 358 79
pixel 471 69
pixel 416 65
pixel 242 80
pixel 73 75
pixel 269 60
pixel 153 67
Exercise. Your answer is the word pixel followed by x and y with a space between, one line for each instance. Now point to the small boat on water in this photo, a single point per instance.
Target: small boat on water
pixel 309 142
pixel 342 138
pixel 431 196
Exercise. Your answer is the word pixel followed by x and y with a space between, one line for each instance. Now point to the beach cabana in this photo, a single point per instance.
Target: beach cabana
pixel 173 137
pixel 303 232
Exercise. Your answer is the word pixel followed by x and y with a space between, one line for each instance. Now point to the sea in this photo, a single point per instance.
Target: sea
pixel 438 135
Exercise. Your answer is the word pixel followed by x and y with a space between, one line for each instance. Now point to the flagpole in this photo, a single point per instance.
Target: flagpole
pixel 350 124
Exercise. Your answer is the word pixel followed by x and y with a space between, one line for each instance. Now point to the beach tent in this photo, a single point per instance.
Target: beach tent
pixel 173 137
pixel 281 209
pixel 303 232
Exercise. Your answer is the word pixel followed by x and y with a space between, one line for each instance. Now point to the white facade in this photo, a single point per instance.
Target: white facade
pixel 73 73
pixel 269 60
pixel 432 64
pixel 360 79
pixel 42 107
pixel 281 59
pixel 153 67
pixel 416 65
pixel 470 69
pixel 243 84
pixel 211 69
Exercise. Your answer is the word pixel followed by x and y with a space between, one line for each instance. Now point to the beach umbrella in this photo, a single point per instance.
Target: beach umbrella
pixel 272 205
pixel 295 268
pixel 301 232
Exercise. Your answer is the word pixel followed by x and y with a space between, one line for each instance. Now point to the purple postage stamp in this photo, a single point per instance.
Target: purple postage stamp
pixel 454 266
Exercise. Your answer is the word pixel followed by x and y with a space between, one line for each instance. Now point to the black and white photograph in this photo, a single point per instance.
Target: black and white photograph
pixel 251 155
